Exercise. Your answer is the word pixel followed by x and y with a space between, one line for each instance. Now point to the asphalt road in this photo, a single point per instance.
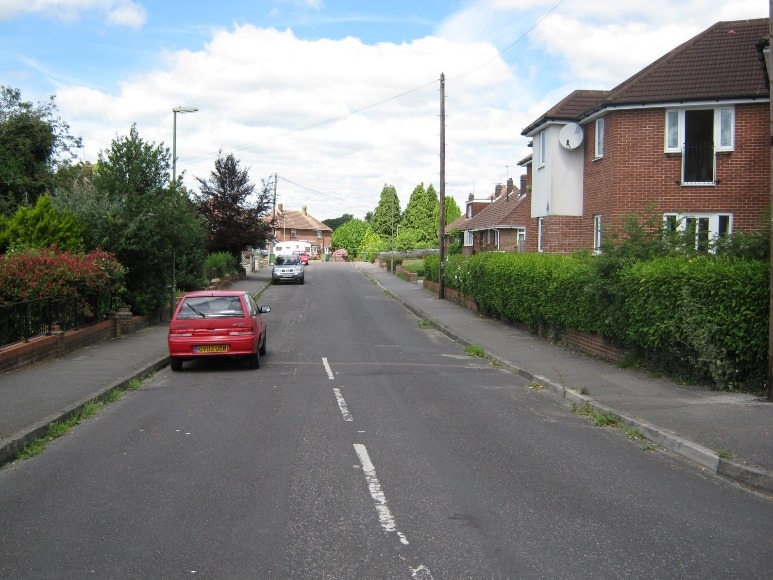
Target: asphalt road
pixel 364 447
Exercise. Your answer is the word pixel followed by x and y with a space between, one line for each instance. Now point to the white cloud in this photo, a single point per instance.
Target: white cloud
pixel 117 12
pixel 257 89
pixel 292 106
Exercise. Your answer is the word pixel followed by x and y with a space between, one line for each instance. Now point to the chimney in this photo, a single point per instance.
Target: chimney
pixel 471 197
pixel 523 184
pixel 303 210
pixel 279 208
pixel 498 190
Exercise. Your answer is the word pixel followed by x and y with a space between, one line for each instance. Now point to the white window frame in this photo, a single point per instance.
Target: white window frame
pixel 520 239
pixel 542 149
pixel 599 138
pixel 597 234
pixel 724 128
pixel 724 135
pixel 468 237
pixel 714 218
pixel 540 233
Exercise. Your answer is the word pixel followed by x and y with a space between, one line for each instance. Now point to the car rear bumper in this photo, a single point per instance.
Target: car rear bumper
pixel 187 347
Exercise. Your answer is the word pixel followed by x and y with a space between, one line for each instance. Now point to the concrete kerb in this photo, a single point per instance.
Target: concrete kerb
pixel 19 440
pixel 757 478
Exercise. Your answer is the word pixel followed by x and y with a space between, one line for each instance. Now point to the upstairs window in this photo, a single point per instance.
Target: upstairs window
pixel 698 134
pixel 599 138
pixel 541 150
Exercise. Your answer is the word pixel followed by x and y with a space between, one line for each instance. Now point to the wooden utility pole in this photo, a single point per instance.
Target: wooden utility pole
pixel 441 281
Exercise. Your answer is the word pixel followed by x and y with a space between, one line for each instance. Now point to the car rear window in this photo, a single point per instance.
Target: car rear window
pixel 287 260
pixel 211 307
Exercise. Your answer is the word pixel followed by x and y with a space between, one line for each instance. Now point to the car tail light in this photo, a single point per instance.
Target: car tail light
pixel 240 333
pixel 180 333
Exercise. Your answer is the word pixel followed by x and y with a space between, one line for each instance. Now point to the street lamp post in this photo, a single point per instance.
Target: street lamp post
pixel 176 110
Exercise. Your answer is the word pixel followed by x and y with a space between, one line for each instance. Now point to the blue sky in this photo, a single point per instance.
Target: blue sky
pixel 310 89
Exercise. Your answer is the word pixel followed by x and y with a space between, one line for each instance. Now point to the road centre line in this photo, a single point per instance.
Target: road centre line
pixel 385 516
pixel 342 405
pixel 328 369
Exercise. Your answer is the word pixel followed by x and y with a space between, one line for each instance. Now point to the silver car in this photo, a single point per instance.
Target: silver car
pixel 287 268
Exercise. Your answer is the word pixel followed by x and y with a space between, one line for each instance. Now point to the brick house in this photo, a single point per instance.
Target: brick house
pixel 291 225
pixel 686 137
pixel 498 223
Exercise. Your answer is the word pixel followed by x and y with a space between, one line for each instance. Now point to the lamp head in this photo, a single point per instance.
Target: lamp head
pixel 184 109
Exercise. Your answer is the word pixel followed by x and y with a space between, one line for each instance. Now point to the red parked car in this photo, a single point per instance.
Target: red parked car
pixel 217 323
pixel 304 257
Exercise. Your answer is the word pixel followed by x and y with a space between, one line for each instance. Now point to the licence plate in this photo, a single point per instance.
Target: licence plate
pixel 212 348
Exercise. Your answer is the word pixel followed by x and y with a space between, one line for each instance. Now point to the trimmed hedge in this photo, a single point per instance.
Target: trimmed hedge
pixel 697 318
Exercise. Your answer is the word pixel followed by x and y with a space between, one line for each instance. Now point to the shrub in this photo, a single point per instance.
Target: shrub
pixel 47 273
pixel 220 264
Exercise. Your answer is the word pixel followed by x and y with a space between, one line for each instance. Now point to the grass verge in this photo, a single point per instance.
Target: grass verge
pixel 59 428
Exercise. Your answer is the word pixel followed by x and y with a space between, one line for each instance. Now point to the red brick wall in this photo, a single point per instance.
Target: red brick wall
pixel 635 171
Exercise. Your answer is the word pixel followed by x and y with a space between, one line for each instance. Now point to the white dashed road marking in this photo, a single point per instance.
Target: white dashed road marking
pixel 342 405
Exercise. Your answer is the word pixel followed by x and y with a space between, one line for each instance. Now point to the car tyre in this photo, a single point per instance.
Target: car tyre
pixel 262 349
pixel 254 360
pixel 176 364
pixel 301 281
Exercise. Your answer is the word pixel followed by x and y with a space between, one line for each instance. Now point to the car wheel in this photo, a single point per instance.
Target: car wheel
pixel 262 349
pixel 254 360
pixel 176 364
pixel 301 281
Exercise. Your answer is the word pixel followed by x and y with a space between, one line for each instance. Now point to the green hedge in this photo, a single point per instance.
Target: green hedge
pixel 698 318
pixel 219 264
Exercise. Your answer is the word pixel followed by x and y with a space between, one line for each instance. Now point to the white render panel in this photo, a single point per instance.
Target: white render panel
pixel 557 186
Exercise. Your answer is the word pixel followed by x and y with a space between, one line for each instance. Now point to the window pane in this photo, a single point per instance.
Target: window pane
pixel 672 129
pixel 726 128
pixel 600 138
pixel 724 225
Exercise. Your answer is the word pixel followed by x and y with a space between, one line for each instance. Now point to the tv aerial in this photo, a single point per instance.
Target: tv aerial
pixel 571 136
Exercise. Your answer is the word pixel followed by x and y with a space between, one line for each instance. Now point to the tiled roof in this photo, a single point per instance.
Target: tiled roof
pixel 722 62
pixel 570 108
pixel 496 214
pixel 297 220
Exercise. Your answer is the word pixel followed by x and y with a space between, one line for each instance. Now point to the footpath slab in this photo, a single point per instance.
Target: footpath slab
pixel 728 434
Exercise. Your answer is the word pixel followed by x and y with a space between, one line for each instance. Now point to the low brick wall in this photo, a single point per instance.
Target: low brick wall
pixel 452 295
pixel 59 343
pixel 591 344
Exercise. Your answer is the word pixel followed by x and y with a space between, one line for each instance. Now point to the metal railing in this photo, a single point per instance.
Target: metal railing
pixel 20 321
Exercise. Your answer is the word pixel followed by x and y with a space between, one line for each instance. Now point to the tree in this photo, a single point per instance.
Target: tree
pixel 350 235
pixel 371 245
pixel 452 212
pixel 334 223
pixel 418 218
pixel 41 227
pixel 233 223
pixel 386 217
pixel 130 209
pixel 33 142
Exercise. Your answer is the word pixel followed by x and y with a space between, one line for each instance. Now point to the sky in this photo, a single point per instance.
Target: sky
pixel 337 98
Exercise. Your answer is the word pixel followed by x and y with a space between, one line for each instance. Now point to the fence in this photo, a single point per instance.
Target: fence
pixel 20 321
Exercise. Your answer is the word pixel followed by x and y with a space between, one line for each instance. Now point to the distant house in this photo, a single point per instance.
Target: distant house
pixel 687 137
pixel 498 223
pixel 290 225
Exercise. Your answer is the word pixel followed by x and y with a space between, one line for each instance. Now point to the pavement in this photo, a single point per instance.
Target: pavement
pixel 727 434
